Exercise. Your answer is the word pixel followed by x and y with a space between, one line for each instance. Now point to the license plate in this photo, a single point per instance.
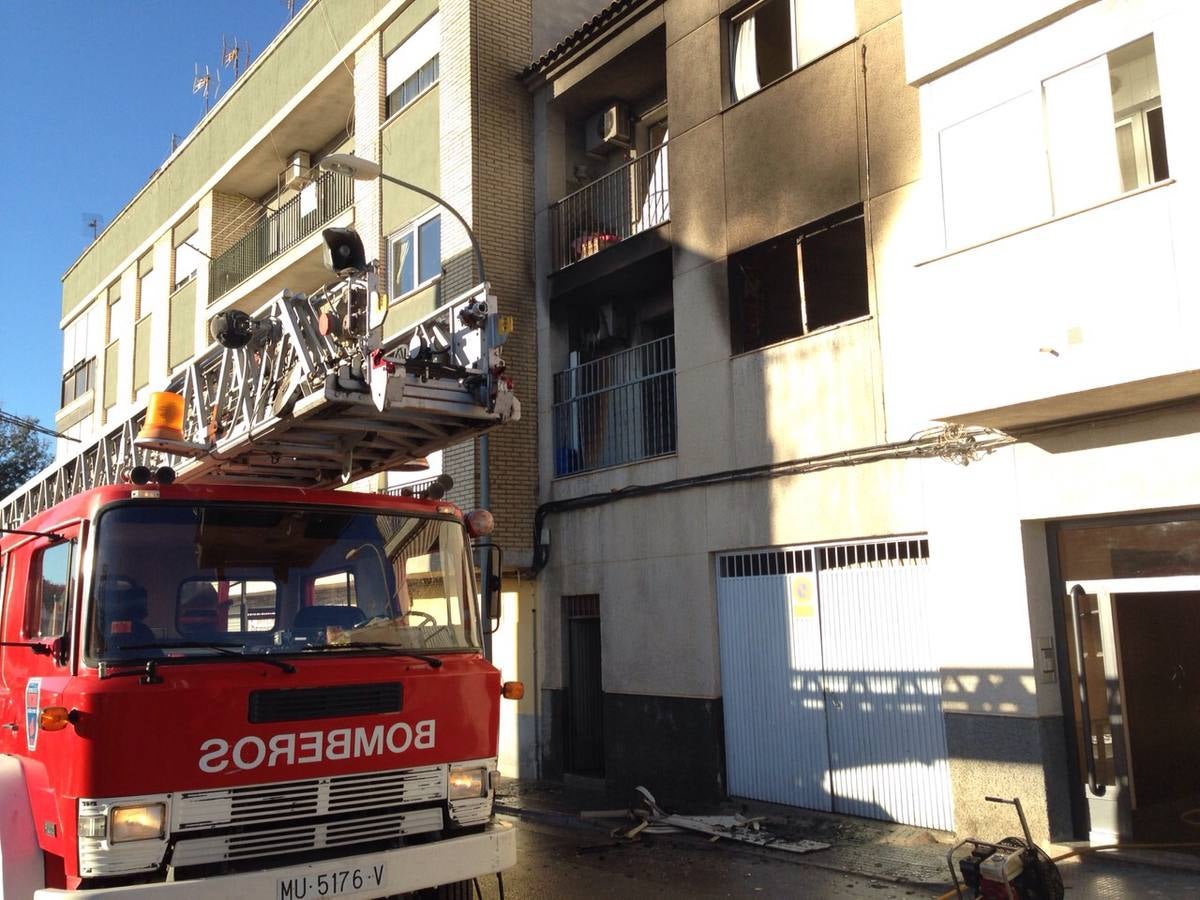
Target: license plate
pixel 333 883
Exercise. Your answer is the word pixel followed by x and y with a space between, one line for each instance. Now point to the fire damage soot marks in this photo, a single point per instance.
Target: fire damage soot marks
pixel 306 747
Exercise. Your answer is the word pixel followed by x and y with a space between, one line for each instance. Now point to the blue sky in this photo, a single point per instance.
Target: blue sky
pixel 90 93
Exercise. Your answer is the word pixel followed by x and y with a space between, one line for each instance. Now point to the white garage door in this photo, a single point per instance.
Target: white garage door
pixel 832 697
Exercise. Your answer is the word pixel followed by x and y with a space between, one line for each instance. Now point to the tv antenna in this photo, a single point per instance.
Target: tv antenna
pixel 232 55
pixel 291 8
pixel 94 223
pixel 204 84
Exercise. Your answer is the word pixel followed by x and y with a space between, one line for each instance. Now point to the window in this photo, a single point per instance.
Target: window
pixel 774 37
pixel 152 285
pixel 48 609
pixel 206 609
pixel 799 282
pixel 80 346
pixel 415 256
pixel 187 261
pixel 413 67
pixel 1082 137
pixel 1104 127
pixel 216 580
pixel 78 381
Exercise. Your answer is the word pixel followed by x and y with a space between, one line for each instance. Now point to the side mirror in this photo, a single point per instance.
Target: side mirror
pixel 493 587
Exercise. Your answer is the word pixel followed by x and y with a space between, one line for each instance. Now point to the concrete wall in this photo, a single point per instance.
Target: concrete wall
pixel 823 138
pixel 1024 312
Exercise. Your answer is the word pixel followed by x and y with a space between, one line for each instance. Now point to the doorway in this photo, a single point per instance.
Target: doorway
pixel 1135 684
pixel 584 713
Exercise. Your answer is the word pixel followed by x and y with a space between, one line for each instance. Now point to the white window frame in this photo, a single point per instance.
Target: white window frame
pixel 413 228
pixel 1045 200
pixel 795 17
pixel 186 251
pixel 407 60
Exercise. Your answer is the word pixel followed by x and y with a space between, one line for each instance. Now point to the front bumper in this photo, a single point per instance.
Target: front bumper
pixel 407 869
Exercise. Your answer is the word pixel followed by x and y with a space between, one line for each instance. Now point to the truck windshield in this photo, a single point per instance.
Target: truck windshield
pixel 182 580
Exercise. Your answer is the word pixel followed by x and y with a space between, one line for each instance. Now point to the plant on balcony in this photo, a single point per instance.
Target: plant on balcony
pixel 593 242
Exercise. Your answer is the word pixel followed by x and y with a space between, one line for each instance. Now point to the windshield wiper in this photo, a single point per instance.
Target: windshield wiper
pixel 433 661
pixel 226 649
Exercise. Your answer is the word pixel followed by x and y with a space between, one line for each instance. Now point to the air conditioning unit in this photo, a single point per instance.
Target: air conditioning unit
pixel 296 175
pixel 608 130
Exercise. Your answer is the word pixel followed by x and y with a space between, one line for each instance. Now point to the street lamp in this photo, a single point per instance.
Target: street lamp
pixel 364 170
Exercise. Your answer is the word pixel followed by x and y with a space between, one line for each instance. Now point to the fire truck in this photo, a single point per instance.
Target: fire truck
pixel 221 676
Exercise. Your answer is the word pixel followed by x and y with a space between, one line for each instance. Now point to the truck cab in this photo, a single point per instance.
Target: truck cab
pixel 228 691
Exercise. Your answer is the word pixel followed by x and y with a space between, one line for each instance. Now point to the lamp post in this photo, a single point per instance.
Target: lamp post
pixel 365 170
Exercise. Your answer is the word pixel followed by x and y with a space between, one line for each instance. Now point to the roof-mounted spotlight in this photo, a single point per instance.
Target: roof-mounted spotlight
pixel 234 330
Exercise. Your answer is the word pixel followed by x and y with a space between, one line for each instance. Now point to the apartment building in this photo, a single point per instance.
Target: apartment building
pixel 866 408
pixel 426 88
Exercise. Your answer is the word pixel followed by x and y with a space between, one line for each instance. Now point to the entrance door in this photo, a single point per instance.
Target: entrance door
pixel 1136 691
pixel 585 696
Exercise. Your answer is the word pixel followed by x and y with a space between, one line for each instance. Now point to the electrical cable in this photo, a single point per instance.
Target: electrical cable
pixel 500 883
pixel 957 443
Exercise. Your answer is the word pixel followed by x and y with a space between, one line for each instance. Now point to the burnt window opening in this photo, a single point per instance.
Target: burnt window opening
pixel 799 282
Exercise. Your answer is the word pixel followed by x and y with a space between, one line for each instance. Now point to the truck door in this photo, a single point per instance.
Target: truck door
pixel 40 590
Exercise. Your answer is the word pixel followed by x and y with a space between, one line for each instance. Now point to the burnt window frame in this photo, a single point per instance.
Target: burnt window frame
pixel 740 342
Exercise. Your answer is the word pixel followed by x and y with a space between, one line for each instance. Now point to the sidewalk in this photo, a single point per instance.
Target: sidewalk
pixel 884 851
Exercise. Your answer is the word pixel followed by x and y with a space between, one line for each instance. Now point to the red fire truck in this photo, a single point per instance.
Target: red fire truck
pixel 221 678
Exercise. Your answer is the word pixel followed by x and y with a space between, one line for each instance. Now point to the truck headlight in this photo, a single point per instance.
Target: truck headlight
pixel 137 823
pixel 468 783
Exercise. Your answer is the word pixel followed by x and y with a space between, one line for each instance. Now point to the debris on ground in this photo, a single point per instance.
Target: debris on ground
pixel 652 819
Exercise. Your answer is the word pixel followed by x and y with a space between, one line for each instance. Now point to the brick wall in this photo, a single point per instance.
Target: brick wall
pixel 502 165
pixel 487 174
pixel 232 216
pixel 368 116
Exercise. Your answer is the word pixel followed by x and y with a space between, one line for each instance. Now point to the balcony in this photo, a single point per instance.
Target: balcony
pixel 615 410
pixel 279 231
pixel 620 204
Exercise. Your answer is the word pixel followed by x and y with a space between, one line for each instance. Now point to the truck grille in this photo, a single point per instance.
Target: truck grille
pixel 299 704
pixel 202 810
pixel 299 838
pixel 294 816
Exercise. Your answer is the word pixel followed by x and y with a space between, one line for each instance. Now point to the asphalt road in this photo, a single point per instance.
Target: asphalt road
pixel 561 864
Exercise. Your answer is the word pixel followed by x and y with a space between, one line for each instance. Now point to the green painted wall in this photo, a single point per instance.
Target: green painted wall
pixel 411 153
pixel 409 310
pixel 182 336
pixel 412 18
pixel 141 353
pixel 112 360
pixel 314 40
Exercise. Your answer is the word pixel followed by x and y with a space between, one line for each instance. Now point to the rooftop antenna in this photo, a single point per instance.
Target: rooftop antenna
pixel 203 83
pixel 291 8
pixel 232 53
pixel 175 139
pixel 94 222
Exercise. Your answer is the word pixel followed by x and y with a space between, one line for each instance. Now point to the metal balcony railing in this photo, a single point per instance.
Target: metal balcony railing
pixel 616 409
pixel 410 490
pixel 613 208
pixel 279 231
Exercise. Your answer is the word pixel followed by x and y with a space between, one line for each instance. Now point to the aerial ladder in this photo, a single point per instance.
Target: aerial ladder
pixel 309 391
